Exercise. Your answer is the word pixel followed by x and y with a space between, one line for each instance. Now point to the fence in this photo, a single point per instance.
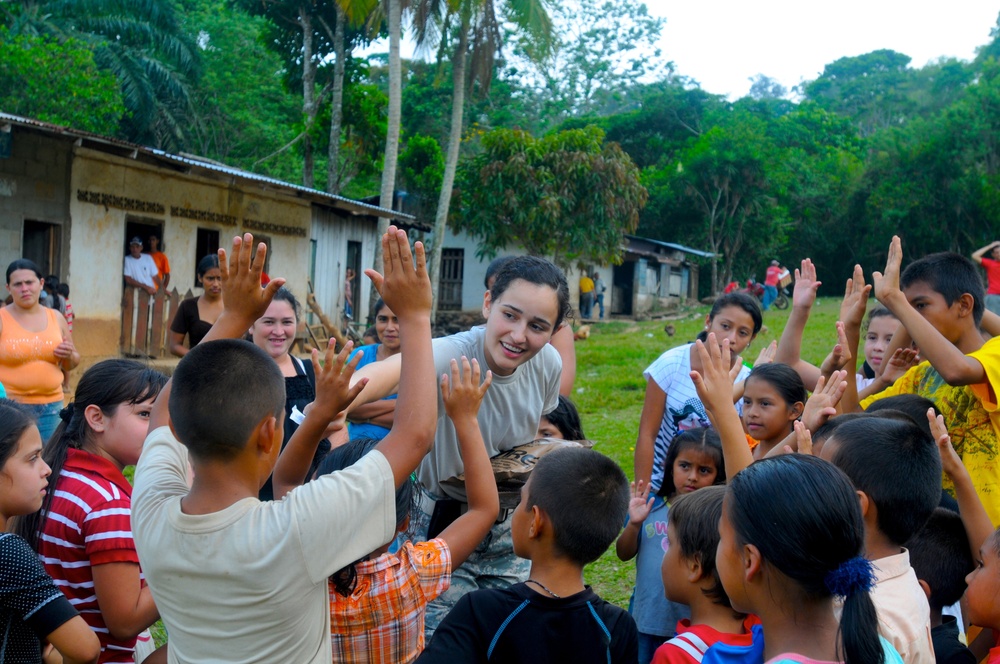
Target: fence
pixel 146 321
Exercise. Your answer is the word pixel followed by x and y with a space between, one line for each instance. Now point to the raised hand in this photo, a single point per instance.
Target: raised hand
pixel 714 382
pixel 333 381
pixel 641 503
pixel 822 405
pixel 887 283
pixel 242 295
pixel 766 354
pixel 855 302
pixel 464 393
pixel 839 355
pixel 405 287
pixel 901 361
pixel 806 285
pixel 951 464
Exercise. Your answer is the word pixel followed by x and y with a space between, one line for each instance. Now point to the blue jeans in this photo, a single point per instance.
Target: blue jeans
pixel 586 304
pixel 600 304
pixel 770 295
pixel 46 417
pixel 648 643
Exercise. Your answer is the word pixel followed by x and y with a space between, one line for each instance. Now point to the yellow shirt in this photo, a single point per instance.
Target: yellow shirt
pixel 972 415
pixel 586 284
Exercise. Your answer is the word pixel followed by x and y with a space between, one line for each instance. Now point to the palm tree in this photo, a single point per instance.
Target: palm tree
pixel 479 21
pixel 140 41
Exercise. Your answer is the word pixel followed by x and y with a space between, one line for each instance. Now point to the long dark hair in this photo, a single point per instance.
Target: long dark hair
pixel 107 385
pixel 773 504
pixel 702 438
pixel 14 421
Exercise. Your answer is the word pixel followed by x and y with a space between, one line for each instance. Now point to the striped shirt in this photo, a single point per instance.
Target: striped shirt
pixel 89 523
pixel 383 619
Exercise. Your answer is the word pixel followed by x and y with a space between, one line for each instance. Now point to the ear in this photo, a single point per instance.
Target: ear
pixel 487 304
pixel 693 570
pixel 795 411
pixel 926 588
pixel 752 562
pixel 95 418
pixel 964 304
pixel 708 320
pixel 538 523
pixel 866 503
pixel 265 435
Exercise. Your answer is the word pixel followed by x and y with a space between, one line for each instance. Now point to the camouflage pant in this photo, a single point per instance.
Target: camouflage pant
pixel 492 565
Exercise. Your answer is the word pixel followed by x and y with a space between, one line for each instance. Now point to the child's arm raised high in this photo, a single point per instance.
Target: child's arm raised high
pixel 715 387
pixel 462 397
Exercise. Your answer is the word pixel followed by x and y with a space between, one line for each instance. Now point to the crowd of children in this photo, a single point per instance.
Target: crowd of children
pixel 788 513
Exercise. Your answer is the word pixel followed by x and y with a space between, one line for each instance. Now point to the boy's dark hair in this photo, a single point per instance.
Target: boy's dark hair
pixel 913 405
pixel 703 438
pixel 566 418
pixel 585 495
pixel 538 271
pixel 949 274
pixel 345 456
pixel 221 391
pixel 63 289
pixel 695 517
pixel 784 379
pixel 939 554
pixel 897 465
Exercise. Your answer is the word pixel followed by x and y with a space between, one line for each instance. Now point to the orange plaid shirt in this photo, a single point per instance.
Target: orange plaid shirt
pixel 383 619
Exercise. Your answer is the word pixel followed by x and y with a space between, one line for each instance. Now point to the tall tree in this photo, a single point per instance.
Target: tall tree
pixel 570 195
pixel 479 21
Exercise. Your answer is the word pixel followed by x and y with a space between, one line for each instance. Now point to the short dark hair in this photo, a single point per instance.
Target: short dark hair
pixel 23 264
pixel 949 274
pixel 63 289
pixel 585 496
pixel 695 517
pixel 538 271
pixel 207 263
pixel 221 391
pixel 566 418
pixel 784 379
pixel 740 301
pixel 913 405
pixel 939 554
pixel 706 440
pixel 897 465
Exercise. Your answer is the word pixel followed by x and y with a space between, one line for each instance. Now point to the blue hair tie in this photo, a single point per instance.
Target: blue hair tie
pixel 853 575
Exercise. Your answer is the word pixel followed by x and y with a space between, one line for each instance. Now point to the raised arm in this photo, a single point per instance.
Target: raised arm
pixel 978 254
pixel 715 387
pixel 852 314
pixel 463 395
pixel 954 366
pixel 639 507
pixel 406 290
pixel 790 345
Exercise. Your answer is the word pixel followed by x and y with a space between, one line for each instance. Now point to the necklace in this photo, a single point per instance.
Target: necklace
pixel 543 587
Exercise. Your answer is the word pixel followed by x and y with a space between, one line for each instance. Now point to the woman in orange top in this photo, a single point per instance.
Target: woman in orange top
pixel 35 347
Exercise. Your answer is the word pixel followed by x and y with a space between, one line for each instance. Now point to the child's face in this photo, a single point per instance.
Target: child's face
pixel 125 432
pixel 880 331
pixel 387 329
pixel 766 415
pixel 732 323
pixel 984 587
pixel 548 430
pixel 274 332
pixel 729 562
pixel 24 477
pixel 934 308
pixel 673 569
pixel 694 468
pixel 518 324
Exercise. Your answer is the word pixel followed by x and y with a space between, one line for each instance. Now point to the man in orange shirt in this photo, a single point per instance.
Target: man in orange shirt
pixel 160 258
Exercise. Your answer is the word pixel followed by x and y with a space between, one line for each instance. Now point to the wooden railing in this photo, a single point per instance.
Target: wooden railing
pixel 146 321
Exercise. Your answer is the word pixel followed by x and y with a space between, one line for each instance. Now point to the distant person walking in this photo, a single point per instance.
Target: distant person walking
pixel 992 267
pixel 586 296
pixel 771 284
pixel 599 289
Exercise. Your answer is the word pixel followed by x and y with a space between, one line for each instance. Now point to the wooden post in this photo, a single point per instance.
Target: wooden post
pixel 126 342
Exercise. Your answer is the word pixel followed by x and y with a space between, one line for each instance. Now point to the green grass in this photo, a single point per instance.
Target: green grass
pixel 609 392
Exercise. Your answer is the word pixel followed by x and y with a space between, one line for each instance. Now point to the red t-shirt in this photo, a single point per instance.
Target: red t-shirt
pixel 693 640
pixel 89 523
pixel 992 276
pixel 773 276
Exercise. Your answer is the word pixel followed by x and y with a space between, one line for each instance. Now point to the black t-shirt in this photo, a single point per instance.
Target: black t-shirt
pixel 518 625
pixel 187 321
pixel 31 607
pixel 947 648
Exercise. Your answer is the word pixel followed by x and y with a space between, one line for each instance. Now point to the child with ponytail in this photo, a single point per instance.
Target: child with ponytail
pixel 83 532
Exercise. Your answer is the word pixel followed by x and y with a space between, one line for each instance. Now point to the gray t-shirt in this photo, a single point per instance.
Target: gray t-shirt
pixel 508 416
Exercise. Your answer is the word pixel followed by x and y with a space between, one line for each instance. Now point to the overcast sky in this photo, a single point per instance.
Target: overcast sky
pixel 722 43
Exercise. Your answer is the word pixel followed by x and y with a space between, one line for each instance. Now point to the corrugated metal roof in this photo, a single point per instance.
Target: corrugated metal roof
pixel 671 245
pixel 339 202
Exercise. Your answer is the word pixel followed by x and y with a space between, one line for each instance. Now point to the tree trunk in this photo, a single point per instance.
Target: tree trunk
pixel 451 158
pixel 308 95
pixel 392 130
pixel 337 101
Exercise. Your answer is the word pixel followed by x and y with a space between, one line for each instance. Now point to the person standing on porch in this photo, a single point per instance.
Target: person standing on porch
pixel 599 289
pixel 586 296
pixel 160 258
pixel 140 269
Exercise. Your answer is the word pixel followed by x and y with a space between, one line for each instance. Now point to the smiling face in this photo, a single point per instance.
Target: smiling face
pixel 125 432
pixel 766 415
pixel 880 331
pixel 732 323
pixel 25 287
pixel 518 324
pixel 693 469
pixel 274 332
pixel 24 477
pixel 387 328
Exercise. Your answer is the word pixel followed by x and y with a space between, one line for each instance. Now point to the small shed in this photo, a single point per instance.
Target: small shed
pixel 654 276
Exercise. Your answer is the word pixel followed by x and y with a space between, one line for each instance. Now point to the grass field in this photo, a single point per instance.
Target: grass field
pixel 609 392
